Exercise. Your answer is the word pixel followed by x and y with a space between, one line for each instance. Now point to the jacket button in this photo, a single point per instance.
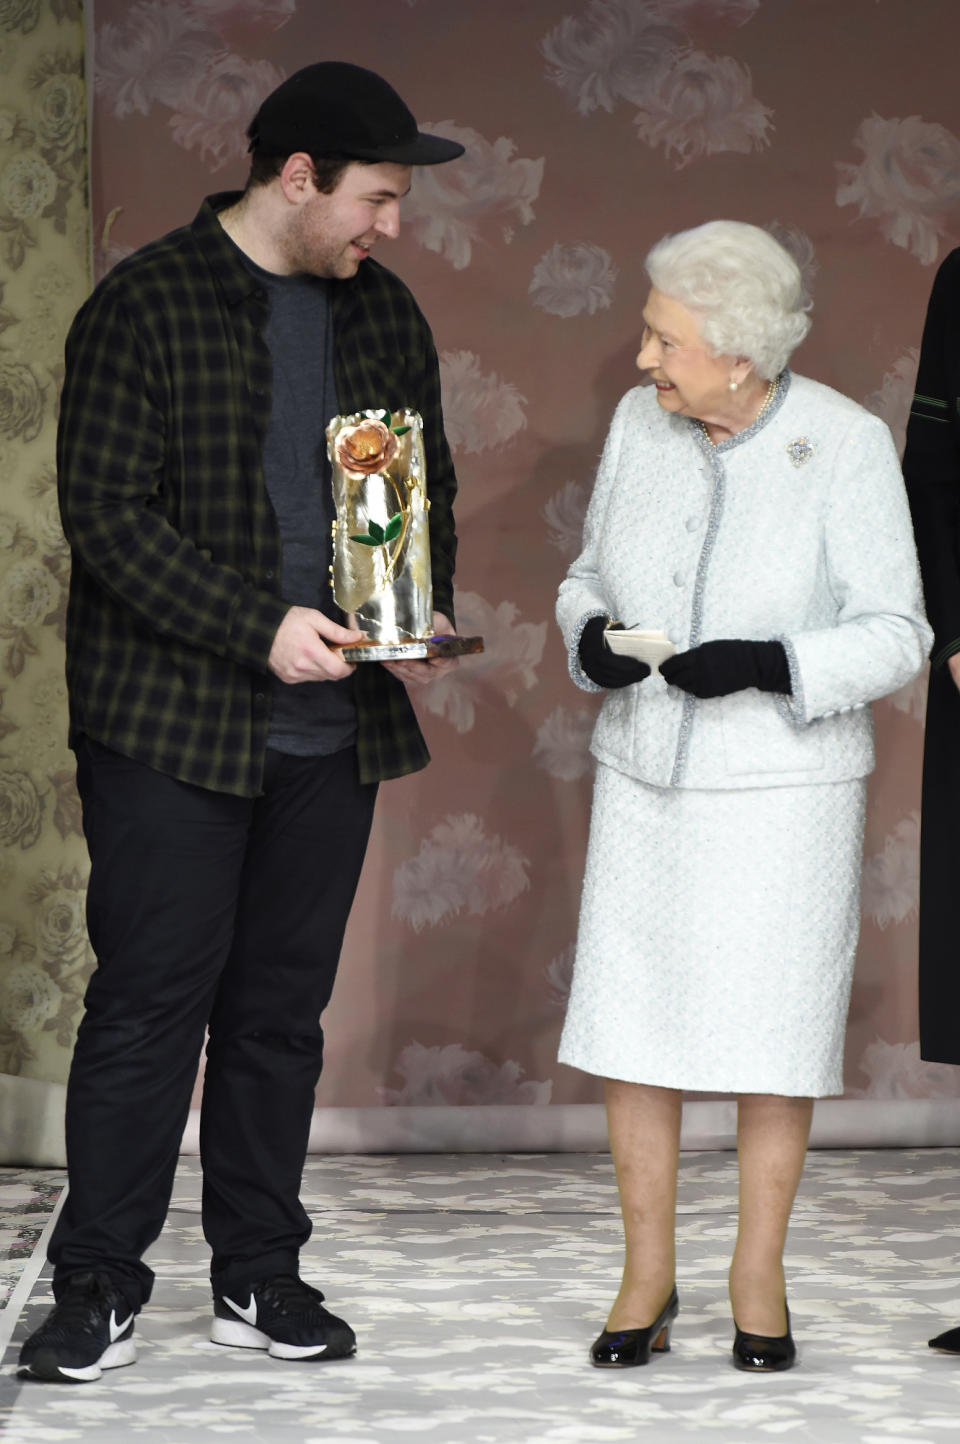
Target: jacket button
pixel 678 579
pixel 268 574
pixel 692 523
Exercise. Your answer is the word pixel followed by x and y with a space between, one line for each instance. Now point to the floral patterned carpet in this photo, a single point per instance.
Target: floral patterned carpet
pixel 476 1282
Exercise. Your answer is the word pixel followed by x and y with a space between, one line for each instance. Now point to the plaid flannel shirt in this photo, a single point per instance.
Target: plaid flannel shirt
pixel 176 552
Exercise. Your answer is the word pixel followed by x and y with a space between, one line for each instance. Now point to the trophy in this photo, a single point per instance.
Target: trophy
pixel 381 538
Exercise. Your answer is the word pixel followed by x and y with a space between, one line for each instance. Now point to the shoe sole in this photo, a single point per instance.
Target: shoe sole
pixel 235 1334
pixel 44 1365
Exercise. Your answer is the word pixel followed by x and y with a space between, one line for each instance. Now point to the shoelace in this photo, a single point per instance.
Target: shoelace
pixel 290 1295
pixel 85 1300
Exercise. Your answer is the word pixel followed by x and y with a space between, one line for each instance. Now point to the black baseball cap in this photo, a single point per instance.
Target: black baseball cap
pixel 333 108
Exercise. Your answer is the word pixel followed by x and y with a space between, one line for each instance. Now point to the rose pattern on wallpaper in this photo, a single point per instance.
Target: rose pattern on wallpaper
pixel 568 280
pixel 157 52
pixel 451 206
pixel 704 105
pixel 459 867
pixel 891 877
pixel 562 746
pixel 512 652
pixel 691 103
pixel 452 1076
pixel 559 975
pixel 892 401
pixel 44 953
pixel 42 980
pixel 176 56
pixel 908 181
pixel 613 51
pixel 480 410
pixel 565 514
pixel 213 112
pixel 896 1070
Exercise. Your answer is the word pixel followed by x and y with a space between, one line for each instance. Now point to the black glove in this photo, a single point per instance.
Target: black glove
pixel 716 669
pixel 606 668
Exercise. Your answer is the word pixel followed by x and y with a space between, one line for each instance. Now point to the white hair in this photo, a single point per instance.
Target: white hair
pixel 744 287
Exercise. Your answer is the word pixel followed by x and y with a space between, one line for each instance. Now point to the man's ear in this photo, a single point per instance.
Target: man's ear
pixel 297 178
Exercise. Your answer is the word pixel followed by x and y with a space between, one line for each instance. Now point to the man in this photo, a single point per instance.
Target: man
pixel 227 756
pixel 931 468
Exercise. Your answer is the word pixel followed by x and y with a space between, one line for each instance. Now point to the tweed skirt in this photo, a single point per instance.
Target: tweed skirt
pixel 717 936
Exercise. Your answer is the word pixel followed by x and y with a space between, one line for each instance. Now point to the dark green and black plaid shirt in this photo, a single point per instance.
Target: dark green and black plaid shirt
pixel 176 552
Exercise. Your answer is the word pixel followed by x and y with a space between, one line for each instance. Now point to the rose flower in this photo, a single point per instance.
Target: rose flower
pixel 366 448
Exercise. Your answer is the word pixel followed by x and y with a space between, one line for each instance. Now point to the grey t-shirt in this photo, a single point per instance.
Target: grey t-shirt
pixel 307 718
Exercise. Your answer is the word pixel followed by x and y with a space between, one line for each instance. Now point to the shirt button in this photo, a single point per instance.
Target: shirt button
pixel 692 523
pixel 268 574
pixel 678 579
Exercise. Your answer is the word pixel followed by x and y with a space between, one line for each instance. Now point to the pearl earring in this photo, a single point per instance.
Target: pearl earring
pixel 733 386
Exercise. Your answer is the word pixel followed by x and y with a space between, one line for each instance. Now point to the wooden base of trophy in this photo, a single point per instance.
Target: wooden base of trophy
pixel 411 651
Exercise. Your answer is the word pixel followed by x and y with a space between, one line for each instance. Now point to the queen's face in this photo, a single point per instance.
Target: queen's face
pixel 689 379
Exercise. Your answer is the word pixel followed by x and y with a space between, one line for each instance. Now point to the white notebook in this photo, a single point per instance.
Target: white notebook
pixel 652 647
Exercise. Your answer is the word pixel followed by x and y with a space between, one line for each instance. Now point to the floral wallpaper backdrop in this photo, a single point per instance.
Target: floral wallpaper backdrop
pixel 44 246
pixel 592 128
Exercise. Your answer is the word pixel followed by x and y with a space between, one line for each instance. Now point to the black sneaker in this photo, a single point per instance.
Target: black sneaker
pixel 286 1317
pixel 89 1330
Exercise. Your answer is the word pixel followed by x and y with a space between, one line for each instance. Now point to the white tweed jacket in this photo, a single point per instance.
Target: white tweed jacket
pixel 795 529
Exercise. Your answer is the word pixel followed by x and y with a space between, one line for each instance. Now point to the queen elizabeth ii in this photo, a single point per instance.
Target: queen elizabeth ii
pixel 757 518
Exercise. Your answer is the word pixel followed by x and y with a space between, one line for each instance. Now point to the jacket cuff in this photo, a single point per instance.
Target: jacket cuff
pixel 253 630
pixel 573 651
pixel 792 704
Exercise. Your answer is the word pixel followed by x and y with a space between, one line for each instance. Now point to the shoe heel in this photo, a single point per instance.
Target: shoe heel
pixel 661 1344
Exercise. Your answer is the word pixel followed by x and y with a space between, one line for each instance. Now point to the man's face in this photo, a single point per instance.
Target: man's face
pixel 331 234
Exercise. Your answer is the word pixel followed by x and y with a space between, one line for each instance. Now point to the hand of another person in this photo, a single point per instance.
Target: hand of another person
pixel 954 664
pixel 715 669
pixel 426 669
pixel 300 652
pixel 606 668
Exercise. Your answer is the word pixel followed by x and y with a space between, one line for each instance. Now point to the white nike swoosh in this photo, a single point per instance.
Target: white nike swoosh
pixel 117 1329
pixel 249 1314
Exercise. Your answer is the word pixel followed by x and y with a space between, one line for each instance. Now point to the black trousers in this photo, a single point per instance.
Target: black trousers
pixel 204 910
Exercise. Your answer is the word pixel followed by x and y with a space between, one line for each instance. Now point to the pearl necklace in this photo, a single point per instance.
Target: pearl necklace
pixel 771 392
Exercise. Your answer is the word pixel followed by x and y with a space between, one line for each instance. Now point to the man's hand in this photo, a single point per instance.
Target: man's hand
pixel 954 664
pixel 427 669
pixel 300 652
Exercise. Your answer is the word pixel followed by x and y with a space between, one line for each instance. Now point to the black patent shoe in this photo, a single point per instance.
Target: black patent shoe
pixel 626 1348
pixel 948 1343
pixel 762 1353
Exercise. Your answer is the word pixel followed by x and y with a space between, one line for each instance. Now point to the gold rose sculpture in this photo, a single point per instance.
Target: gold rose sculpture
pixel 381 536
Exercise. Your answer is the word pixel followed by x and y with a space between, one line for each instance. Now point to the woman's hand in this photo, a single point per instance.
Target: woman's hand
pixel 606 668
pixel 715 669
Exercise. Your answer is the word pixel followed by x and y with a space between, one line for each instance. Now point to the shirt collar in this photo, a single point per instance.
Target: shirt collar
pixel 221 254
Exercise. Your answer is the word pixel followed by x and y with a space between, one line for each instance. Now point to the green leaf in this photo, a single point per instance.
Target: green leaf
pixel 393 527
pixel 400 430
pixel 387 417
pixel 367 541
pixel 375 530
